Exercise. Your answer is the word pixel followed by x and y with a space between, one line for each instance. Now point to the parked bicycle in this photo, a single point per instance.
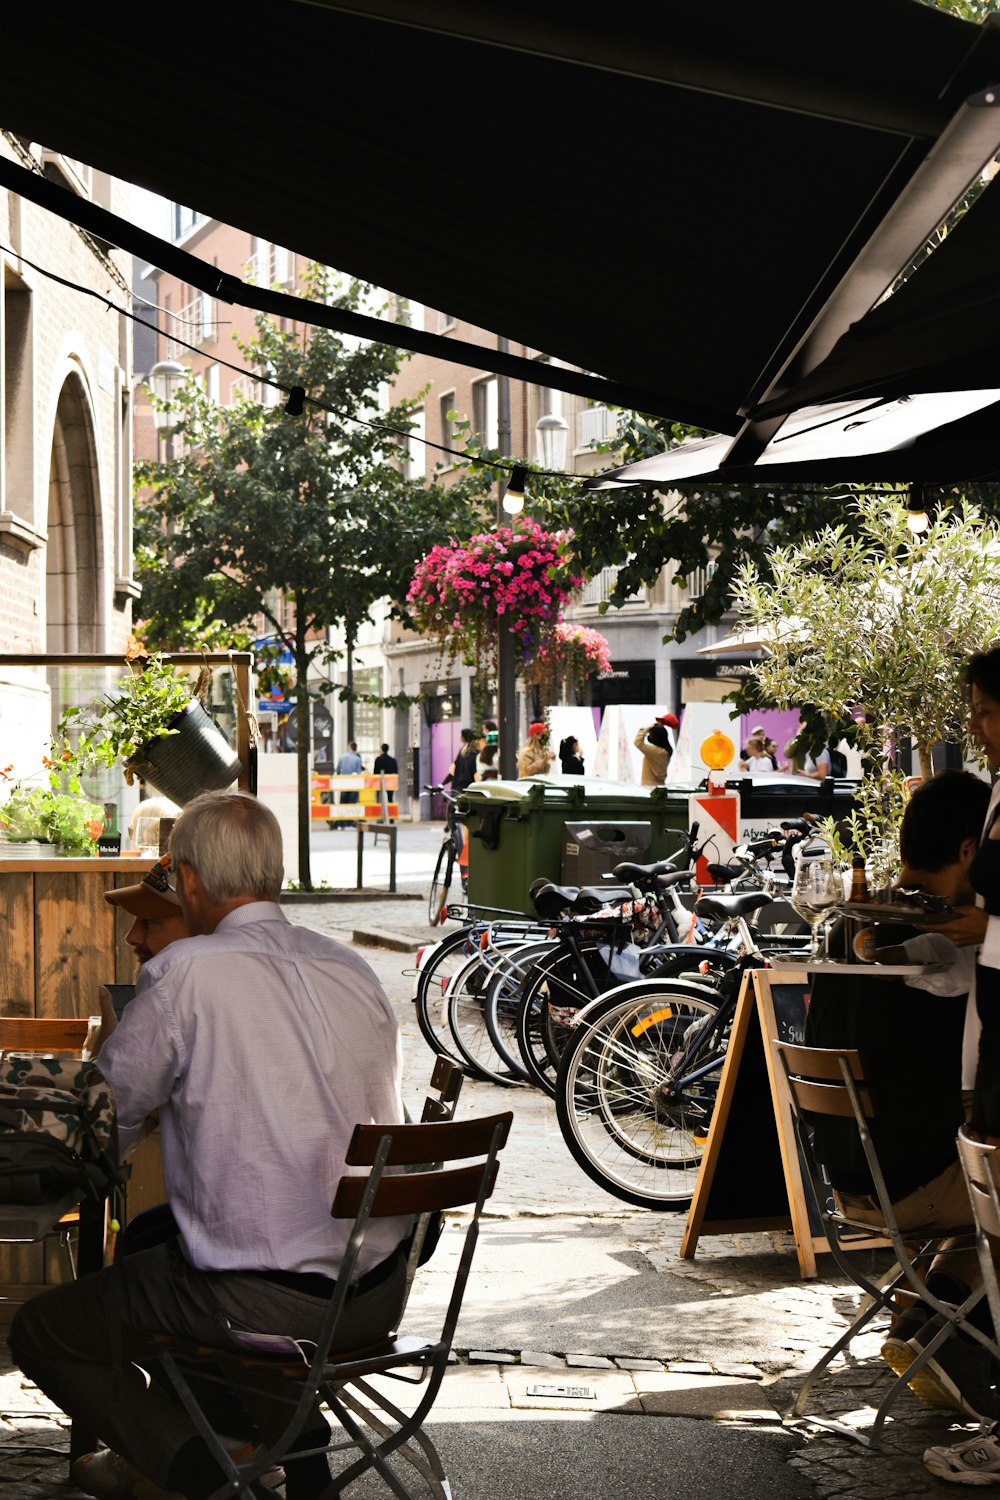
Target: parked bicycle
pixel 449 855
pixel 639 1076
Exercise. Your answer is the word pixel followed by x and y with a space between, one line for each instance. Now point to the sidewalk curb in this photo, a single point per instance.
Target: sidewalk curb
pixel 377 937
pixel 294 898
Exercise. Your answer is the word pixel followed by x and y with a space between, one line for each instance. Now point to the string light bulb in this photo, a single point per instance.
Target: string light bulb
pixel 916 516
pixel 513 495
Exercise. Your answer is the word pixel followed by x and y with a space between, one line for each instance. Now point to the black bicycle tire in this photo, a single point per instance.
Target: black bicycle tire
pixel 506 1045
pixel 437 898
pixel 439 1039
pixel 592 1130
pixel 472 1041
pixel 533 1020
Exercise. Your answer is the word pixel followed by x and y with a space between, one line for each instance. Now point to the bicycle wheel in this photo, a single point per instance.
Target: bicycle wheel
pixel 440 883
pixel 636 1089
pixel 449 955
pixel 503 999
pixel 552 993
pixel 466 1002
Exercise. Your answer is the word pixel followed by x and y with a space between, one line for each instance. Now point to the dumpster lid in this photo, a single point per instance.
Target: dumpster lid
pixel 591 790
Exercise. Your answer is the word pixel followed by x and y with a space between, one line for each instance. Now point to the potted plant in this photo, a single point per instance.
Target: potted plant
pixel 51 817
pixel 154 725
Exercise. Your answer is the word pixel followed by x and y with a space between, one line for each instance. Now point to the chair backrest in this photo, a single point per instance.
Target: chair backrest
pixel 34 1034
pixel 411 1145
pixel 977 1162
pixel 818 1080
pixel 447 1079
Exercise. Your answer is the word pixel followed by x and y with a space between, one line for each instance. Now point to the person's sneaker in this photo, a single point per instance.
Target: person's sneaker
pixel 111 1477
pixel 908 1323
pixel 960 1376
pixel 975 1460
pixel 242 1451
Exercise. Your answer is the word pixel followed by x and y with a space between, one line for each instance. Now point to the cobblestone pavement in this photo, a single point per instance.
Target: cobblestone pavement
pixel 574 1288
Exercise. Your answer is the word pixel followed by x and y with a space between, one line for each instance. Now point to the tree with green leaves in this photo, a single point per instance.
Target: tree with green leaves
pixel 312 509
pixel 877 619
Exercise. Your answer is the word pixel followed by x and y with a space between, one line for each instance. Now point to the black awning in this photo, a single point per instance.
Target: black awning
pixel 667 197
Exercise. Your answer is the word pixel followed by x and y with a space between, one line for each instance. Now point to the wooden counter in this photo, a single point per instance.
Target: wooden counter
pixel 62 939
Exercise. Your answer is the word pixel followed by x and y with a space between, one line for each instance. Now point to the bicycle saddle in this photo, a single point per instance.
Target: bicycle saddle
pixel 643 874
pixel 673 877
pixel 552 900
pixel 723 874
pixel 727 907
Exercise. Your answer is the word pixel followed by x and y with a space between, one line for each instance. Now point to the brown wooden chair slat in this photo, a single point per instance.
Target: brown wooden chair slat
pixel 41 1034
pixel 374 1426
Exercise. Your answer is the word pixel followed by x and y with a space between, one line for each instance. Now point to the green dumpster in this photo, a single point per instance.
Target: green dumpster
pixel 517 833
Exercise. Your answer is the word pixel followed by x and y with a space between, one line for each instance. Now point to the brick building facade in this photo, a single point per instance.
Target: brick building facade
pixel 66 581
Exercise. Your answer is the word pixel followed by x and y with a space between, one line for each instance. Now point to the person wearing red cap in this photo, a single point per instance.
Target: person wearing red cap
pixel 534 757
pixel 653 744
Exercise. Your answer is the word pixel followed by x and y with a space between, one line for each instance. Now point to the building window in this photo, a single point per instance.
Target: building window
pixel 595 424
pixel 186 219
pixel 449 436
pixel 485 412
pixel 212 383
pixel 445 320
pixel 416 461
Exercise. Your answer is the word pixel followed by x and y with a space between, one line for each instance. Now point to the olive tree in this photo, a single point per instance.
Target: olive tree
pixel 878 622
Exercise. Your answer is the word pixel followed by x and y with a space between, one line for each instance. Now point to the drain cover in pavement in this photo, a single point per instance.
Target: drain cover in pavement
pixel 570 1392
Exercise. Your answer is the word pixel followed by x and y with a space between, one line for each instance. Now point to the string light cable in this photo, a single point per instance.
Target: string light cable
pixel 296 398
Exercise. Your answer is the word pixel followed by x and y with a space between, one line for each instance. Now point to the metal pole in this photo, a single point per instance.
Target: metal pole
pixel 506 694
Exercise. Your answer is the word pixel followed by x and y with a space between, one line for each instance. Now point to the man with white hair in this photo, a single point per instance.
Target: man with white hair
pixel 262 1044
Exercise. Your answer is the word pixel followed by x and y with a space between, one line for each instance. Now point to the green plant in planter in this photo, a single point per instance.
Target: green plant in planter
pixel 25 813
pixel 53 817
pixel 119 726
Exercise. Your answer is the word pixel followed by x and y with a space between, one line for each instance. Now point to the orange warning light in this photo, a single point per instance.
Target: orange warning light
pixel 717 751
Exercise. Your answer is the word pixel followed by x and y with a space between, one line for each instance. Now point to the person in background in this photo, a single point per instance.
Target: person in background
pixel 151 807
pixel 757 733
pixel 386 764
pixel 570 757
pixel 249 999
pixel 486 767
pixel 534 757
pixel 462 771
pixel 653 744
pixel 757 758
pixel 349 764
pixel 771 751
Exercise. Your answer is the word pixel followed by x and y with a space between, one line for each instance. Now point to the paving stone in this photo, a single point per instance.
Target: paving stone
pixel 689 1367
pixel 491 1357
pixel 612 1391
pixel 674 1395
pixel 588 1362
pixel 542 1361
pixel 741 1372
pixel 624 1363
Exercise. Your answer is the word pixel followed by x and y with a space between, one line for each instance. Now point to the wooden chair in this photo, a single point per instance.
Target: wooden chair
pixel 376 1428
pixel 980 1165
pixel 831 1082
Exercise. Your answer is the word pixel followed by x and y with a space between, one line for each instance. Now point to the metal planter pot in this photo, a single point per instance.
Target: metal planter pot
pixel 197 759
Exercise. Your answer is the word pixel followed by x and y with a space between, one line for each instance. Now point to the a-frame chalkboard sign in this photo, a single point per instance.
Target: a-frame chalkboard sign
pixel 751 1176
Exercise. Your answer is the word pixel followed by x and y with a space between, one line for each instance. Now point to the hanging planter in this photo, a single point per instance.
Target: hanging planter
pixel 193 756
pixel 568 655
pixel 520 575
pixel 156 727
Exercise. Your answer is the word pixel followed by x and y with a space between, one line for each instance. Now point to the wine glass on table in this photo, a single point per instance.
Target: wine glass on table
pixel 817 891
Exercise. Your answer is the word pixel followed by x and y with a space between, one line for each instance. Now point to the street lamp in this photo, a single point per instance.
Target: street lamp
pixel 165 380
pixel 552 433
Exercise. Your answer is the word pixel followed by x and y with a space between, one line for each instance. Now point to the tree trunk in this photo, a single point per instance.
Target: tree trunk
pixel 350 636
pixel 924 759
pixel 302 751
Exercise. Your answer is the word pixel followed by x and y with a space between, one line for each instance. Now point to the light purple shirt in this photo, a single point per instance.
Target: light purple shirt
pixel 262 1046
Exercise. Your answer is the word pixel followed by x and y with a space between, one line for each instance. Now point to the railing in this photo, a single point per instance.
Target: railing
pixel 595 424
pixel 601 585
pixel 194 323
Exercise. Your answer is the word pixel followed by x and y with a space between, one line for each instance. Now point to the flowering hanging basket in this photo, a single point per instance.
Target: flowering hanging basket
pixel 568 655
pixel 521 575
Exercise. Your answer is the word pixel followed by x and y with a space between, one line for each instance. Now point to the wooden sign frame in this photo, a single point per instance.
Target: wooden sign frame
pixel 751 1176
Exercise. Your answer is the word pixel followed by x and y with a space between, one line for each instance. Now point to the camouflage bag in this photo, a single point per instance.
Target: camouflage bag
pixel 57 1130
